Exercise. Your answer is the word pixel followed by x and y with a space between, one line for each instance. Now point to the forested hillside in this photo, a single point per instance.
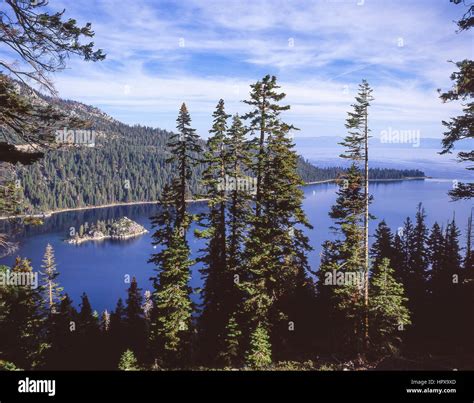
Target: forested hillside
pixel 126 164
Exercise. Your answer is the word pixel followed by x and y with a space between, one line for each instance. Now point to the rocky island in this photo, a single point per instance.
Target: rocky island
pixel 122 228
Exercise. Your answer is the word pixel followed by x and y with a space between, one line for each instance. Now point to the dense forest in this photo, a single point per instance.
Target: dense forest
pixel 438 275
pixel 395 299
pixel 261 305
pixel 127 164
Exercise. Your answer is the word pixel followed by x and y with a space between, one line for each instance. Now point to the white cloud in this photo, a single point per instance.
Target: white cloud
pixel 336 44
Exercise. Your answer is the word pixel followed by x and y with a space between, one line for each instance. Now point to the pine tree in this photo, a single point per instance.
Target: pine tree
pixel 453 260
pixel 447 294
pixel 388 312
pixel 183 147
pixel 134 321
pixel 52 289
pixel 263 119
pixel 117 333
pixel 23 328
pixel 468 262
pixel 229 355
pixel 461 127
pixel 345 258
pixel 128 362
pixel 467 291
pixel 382 246
pixel 275 249
pixel 217 281
pixel 357 148
pixel 403 267
pixel 238 215
pixel 171 318
pixel 259 355
pixel 63 353
pixel 105 321
pixel 436 253
pixel 147 305
pixel 88 333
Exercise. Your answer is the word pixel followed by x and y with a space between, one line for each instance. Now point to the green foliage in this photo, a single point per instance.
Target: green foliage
pixel 388 313
pixel 51 289
pixel 275 246
pixel 259 355
pixel 382 246
pixel 231 351
pixel 8 366
pixel 217 301
pixel 128 362
pixel 171 316
pixel 23 320
pixel 461 127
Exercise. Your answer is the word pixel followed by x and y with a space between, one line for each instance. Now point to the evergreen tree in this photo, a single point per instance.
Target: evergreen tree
pixel 405 235
pixel 52 289
pixel 171 319
pixel 447 295
pixel 263 120
pixel 461 127
pixel 238 215
pixel 23 330
pixel 183 147
pixel 217 281
pixel 117 333
pixel 63 352
pixel 388 312
pixel 275 249
pixel 382 246
pixel 436 253
pixel 134 321
pixel 357 148
pixel 231 351
pixel 452 254
pixel 468 262
pixel 88 334
pixel 128 362
pixel 105 321
pixel 346 256
pixel 259 355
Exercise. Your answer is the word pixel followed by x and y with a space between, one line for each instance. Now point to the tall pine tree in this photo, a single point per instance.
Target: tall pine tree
pixel 171 318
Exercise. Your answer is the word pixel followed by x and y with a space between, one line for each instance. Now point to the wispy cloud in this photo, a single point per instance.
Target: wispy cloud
pixel 165 52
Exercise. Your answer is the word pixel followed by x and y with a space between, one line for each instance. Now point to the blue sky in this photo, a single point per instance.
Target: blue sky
pixel 161 53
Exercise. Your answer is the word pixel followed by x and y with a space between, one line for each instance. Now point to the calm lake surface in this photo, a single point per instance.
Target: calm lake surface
pixel 100 268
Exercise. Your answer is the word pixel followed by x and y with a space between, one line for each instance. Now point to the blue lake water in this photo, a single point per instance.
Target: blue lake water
pixel 100 268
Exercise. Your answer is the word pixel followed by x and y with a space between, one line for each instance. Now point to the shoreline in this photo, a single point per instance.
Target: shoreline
pixel 414 178
pixel 50 213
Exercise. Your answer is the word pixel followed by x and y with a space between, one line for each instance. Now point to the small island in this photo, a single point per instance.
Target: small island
pixel 123 228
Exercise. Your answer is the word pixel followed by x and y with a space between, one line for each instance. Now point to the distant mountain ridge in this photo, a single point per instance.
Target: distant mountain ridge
pixel 375 142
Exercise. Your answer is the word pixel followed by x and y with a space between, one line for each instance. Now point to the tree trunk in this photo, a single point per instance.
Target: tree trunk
pixel 366 231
